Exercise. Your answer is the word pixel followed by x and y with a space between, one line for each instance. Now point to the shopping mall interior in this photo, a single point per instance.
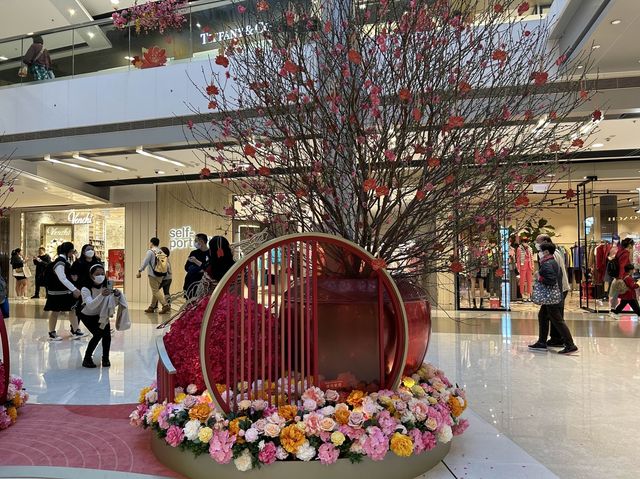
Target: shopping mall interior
pixel 102 153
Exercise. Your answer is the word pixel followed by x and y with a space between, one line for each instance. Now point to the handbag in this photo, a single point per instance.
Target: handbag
pixel 618 287
pixel 23 71
pixel 18 272
pixel 544 294
pixel 123 321
pixel 26 271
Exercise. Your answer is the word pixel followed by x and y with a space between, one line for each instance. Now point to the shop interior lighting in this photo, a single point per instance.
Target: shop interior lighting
pixel 72 12
pixel 141 151
pixel 129 58
pixel 77 156
pixel 616 22
pixel 72 165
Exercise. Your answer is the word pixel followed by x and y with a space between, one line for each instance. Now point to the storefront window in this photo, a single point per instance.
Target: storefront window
pixel 103 228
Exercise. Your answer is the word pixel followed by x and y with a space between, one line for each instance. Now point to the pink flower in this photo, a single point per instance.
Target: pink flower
pixel 220 446
pixel 268 453
pixel 460 427
pixel 420 410
pixel 418 444
pixel 387 423
pixel 390 155
pixel 428 440
pixel 163 420
pixel 375 443
pixel 312 423
pixel 314 394
pixel 309 405
pixel 331 395
pixel 5 420
pixel 16 381
pixel 328 454
pixel 174 436
pixel 356 418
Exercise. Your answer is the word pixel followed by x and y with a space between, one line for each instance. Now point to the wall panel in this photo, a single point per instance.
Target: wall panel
pixel 140 225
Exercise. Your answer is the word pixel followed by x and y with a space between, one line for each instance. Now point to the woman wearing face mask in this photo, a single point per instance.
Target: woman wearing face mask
pixel 80 267
pixel 98 305
pixel 62 293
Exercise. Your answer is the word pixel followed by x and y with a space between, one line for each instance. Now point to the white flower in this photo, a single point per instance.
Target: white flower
pixel 331 395
pixel 244 462
pixel 306 452
pixel 191 389
pixel 251 435
pixel 244 404
pixel 281 453
pixel 370 407
pixel 260 404
pixel 407 416
pixel 445 434
pixel 11 391
pixel 309 405
pixel 260 425
pixel 356 447
pixel 191 429
pixel 327 411
pixel 261 445
pixel 431 424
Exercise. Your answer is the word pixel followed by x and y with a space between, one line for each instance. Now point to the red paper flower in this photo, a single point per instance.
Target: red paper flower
pixel 498 8
pixel 584 94
pixel 190 124
pixel 528 115
pixel 454 122
pixel 561 59
pixel 354 57
pixel 154 57
pixel 369 184
pixel 433 162
pixel 523 8
pixel 570 194
pixel 416 114
pixel 378 263
pixel 404 94
pixel 420 195
pixel 499 272
pixel 262 5
pixel 264 171
pixel 449 179
pixel 222 61
pixel 456 266
pixel 596 115
pixel 554 147
pixel 522 200
pixel 212 105
pixel 540 78
pixel 578 143
pixel 249 150
pixel 205 172
pixel 382 191
pixel 229 211
pixel 464 87
pixel 290 67
pixel 499 55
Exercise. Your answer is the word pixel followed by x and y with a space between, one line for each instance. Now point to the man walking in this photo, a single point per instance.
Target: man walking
pixel 153 265
pixel 556 338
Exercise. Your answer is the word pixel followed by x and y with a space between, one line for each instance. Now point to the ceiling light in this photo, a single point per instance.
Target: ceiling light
pixel 198 25
pixel 597 145
pixel 77 156
pixel 115 2
pixel 159 172
pixel 72 12
pixel 72 165
pixel 30 33
pixel 91 34
pixel 616 22
pixel 140 151
pixel 129 58
pixel 2 59
pixel 595 47
pixel 580 67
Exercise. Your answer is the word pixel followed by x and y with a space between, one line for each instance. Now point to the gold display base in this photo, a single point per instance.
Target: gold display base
pixel 203 467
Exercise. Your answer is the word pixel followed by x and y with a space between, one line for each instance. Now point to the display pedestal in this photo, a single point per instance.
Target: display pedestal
pixel 204 467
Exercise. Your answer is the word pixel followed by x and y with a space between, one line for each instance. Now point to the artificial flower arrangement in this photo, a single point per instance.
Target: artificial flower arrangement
pixel 325 426
pixel 153 15
pixel 16 398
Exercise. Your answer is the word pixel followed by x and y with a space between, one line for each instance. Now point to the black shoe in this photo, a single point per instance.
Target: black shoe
pixel 106 363
pixel 538 346
pixel 88 363
pixel 568 349
pixel 555 344
pixel 35 297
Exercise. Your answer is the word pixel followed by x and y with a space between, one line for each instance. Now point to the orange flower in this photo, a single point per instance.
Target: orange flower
pixel 288 412
pixel 354 57
pixel 200 412
pixel 17 400
pixel 355 398
pixel 454 405
pixel 342 416
pixel 12 413
pixel 382 191
pixel 291 438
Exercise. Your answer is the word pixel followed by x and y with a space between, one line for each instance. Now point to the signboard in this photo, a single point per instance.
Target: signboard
pixel 181 238
pixel 54 235
pixel 116 266
pixel 76 218
pixel 230 34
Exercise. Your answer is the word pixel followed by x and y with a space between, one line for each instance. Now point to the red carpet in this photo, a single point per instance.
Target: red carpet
pixel 94 437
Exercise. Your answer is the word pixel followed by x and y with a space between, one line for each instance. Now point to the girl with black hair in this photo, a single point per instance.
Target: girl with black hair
pixel 62 293
pixel 80 267
pixel 17 265
pixel 220 257
pixel 95 293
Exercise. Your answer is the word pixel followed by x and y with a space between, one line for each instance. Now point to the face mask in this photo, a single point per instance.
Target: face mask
pixel 537 246
pixel 99 279
pixel 89 253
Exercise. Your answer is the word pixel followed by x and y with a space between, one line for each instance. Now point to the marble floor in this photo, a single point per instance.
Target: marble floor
pixel 532 415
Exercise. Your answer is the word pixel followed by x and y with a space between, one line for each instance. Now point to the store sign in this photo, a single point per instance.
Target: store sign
pixel 624 218
pixel 76 218
pixel 226 35
pixel 181 238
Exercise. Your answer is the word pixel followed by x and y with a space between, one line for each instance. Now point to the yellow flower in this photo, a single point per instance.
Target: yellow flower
pixel 156 410
pixel 180 397
pixel 342 416
pixel 291 438
pixel 401 445
pixel 234 428
pixel 143 393
pixel 337 438
pixel 17 400
pixel 408 382
pixel 206 397
pixel 200 412
pixel 457 406
pixel 418 391
pixel 288 412
pixel 12 413
pixel 205 434
pixel 355 398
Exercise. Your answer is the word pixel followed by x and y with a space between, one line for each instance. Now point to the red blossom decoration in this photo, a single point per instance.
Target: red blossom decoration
pixel 264 171
pixel 205 172
pixel 578 143
pixel 290 67
pixel 522 200
pixel 454 122
pixel 433 162
pixel 596 115
pixel 523 8
pixel 499 55
pixel 498 8
pixel 382 191
pixel 456 267
pixel 369 184
pixel 540 78
pixel 190 124
pixel 416 114
pixel 354 57
pixel 570 194
pixel 249 150
pixel 222 61
pixel 229 211
pixel 212 105
pixel 154 57
pixel 420 195
pixel 404 94
pixel 500 272
pixel 584 94
pixel 378 264
pixel 464 87
pixel 262 6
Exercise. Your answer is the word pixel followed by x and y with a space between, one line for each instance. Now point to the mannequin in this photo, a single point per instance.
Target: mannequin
pixel 525 266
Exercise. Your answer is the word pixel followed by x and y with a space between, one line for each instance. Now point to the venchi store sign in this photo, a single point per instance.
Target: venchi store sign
pixel 226 35
pixel 623 218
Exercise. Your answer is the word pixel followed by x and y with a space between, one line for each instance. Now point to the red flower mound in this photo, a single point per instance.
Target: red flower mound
pixel 183 340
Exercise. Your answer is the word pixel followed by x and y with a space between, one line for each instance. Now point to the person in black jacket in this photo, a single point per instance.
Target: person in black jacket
pixel 81 266
pixel 41 261
pixel 549 273
pixel 221 258
pixel 195 265
pixel 19 274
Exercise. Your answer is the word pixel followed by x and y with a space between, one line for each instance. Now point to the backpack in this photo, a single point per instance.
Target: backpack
pixel 613 269
pixel 49 274
pixel 161 265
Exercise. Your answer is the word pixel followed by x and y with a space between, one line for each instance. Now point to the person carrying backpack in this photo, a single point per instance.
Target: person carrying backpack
pixel 156 265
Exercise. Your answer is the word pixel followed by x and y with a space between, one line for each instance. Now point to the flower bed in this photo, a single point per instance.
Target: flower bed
pixel 328 425
pixel 16 398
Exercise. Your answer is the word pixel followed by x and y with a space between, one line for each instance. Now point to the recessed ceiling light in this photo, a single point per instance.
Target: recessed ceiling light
pixel 91 34
pixel 616 22
pixel 129 58
pixel 30 33
pixel 77 156
pixel 46 188
pixel 72 12
pixel 115 2
pixel 198 25
pixel 159 172
pixel 595 47
pixel 580 67
pixel 141 151
pixel 2 59
pixel 72 165
pixel 597 145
